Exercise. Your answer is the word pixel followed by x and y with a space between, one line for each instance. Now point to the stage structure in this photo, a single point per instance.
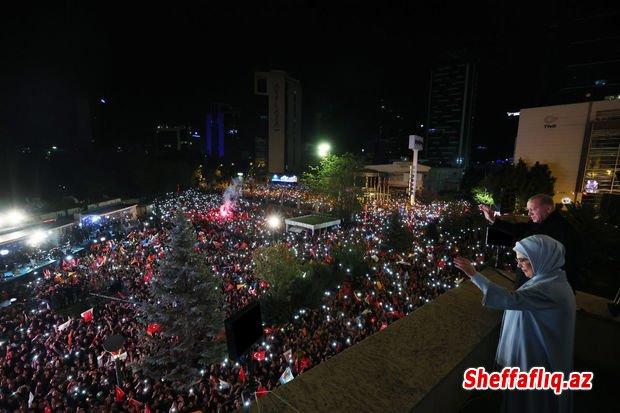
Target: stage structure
pixel 311 222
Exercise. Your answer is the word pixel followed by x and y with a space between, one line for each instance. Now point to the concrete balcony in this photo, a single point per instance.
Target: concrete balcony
pixel 417 363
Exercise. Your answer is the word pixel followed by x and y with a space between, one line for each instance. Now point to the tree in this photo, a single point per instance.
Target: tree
pixel 511 185
pixel 334 178
pixel 278 266
pixel 187 304
pixel 397 236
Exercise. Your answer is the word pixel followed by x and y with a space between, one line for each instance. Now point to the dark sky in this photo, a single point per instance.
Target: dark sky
pixel 167 62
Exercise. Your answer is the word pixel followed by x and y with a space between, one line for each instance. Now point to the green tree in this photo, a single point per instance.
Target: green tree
pixel 512 185
pixel 397 236
pixel 348 262
pixel 187 304
pixel 482 196
pixel 278 266
pixel 334 178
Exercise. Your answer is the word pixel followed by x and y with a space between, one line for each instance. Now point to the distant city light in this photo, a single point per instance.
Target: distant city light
pixel 102 100
pixel 513 113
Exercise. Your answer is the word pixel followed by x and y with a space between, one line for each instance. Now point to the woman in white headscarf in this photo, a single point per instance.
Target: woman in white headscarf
pixel 538 328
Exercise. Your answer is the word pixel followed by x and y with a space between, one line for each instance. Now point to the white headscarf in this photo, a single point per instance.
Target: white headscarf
pixel 544 253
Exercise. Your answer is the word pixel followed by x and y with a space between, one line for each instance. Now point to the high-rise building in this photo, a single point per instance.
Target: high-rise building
pixel 452 89
pixel 392 133
pixel 284 145
pixel 584 63
pixel 221 138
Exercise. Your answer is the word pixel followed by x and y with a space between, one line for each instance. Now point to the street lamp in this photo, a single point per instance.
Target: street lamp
pixel 274 222
pixel 323 149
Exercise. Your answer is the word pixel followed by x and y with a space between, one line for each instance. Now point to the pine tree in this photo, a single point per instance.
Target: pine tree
pixel 187 304
pixel 397 236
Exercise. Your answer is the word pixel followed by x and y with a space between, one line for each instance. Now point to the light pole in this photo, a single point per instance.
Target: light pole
pixel 113 345
pixel 416 143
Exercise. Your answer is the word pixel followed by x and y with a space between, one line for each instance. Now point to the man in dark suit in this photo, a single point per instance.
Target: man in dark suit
pixel 544 219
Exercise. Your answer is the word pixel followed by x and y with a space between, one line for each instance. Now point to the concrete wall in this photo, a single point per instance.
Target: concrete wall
pixel 417 363
pixel 414 365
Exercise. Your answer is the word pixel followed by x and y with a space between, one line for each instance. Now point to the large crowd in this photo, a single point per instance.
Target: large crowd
pixel 52 358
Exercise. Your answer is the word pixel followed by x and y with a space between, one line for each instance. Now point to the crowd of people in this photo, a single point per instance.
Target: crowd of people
pixel 54 360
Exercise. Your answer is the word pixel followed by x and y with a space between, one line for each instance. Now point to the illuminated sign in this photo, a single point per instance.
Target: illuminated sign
pixel 285 179
pixel 591 186
pixel 416 142
pixel 550 122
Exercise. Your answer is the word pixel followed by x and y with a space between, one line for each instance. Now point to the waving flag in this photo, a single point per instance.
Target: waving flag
pixel 153 328
pixel 286 376
pixel 119 394
pixel 64 325
pixel 87 315
pixel 258 355
pixel 134 402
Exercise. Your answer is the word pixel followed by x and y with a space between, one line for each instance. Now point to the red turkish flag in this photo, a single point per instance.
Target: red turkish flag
pixel 87 315
pixel 134 402
pixel 146 409
pixel 258 355
pixel 119 394
pixel 153 328
pixel 242 375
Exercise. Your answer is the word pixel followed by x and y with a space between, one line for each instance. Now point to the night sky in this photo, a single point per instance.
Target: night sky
pixel 155 63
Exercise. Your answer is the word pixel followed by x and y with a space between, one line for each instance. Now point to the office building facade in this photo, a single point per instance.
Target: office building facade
pixel 581 145
pixel 284 143
pixel 452 90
